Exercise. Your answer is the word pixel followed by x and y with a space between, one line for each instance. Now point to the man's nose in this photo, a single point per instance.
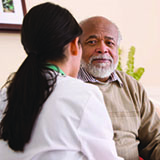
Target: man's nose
pixel 101 48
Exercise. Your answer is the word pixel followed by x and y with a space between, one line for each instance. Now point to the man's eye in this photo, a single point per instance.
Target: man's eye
pixel 110 43
pixel 91 42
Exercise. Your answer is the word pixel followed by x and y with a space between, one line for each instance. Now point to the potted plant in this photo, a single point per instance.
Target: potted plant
pixel 130 70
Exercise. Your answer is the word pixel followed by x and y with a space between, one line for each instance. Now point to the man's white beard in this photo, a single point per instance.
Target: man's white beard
pixel 100 70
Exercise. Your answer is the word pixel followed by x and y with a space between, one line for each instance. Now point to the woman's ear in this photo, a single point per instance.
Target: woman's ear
pixel 74 46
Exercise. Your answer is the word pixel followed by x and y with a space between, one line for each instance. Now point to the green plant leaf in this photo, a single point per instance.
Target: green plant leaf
pixel 130 62
pixel 137 74
pixel 119 66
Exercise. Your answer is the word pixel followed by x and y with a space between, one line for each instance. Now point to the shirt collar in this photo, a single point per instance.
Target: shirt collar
pixel 86 77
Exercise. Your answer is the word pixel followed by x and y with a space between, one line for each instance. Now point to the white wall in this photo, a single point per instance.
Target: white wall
pixel 138 21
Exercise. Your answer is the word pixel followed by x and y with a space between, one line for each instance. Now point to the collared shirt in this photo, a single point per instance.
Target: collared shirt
pixel 135 122
pixel 86 77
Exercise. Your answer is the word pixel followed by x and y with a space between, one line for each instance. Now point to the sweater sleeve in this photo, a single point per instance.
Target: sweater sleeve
pixel 96 132
pixel 149 132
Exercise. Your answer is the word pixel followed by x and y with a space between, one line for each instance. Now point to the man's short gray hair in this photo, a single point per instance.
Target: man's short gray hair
pixel 119 33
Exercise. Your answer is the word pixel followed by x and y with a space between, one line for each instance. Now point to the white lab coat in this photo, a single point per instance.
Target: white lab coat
pixel 73 125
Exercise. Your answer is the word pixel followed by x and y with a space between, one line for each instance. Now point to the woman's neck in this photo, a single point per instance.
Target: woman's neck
pixel 65 67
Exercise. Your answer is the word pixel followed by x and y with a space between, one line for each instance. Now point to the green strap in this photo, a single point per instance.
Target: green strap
pixel 55 68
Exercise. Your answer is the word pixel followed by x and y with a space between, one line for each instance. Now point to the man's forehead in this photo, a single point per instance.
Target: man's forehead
pixel 99 27
pixel 100 36
pixel 99 23
pixel 100 33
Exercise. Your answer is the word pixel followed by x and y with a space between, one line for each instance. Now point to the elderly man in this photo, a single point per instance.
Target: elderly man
pixel 135 122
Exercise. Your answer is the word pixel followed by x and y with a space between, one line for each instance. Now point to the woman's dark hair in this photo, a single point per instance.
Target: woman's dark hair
pixel 47 28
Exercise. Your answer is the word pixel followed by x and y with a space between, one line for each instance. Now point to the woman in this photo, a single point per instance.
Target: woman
pixel 50 115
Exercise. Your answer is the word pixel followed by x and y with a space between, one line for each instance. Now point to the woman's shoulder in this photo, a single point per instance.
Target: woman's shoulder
pixel 74 91
pixel 3 101
pixel 77 84
pixel 71 97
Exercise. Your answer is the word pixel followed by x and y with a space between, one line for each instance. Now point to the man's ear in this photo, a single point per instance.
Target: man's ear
pixel 74 47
